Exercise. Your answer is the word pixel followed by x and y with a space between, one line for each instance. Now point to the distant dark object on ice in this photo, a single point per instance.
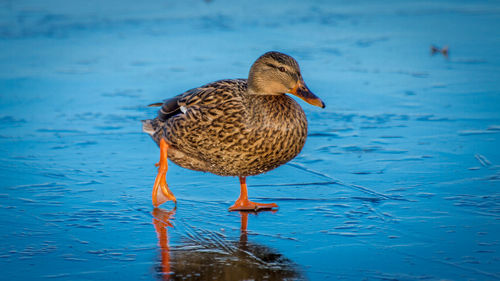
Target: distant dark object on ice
pixel 444 51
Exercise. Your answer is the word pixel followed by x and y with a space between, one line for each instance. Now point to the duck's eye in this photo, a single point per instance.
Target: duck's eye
pixel 281 68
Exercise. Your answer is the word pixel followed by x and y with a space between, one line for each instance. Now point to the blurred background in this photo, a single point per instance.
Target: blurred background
pixel 399 178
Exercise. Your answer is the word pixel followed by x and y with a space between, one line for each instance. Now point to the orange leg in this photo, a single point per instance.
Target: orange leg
pixel 244 204
pixel 161 192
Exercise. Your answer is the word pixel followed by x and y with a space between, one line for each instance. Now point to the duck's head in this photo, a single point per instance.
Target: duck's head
pixel 275 73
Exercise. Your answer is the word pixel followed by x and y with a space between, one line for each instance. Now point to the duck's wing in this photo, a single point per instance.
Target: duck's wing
pixel 169 108
pixel 195 108
pixel 210 119
pixel 207 95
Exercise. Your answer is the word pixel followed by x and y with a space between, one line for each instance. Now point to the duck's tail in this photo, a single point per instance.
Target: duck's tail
pixel 147 127
pixel 156 104
pixel 154 128
pixel 151 126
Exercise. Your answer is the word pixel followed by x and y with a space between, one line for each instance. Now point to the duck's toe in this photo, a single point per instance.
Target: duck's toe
pixel 247 205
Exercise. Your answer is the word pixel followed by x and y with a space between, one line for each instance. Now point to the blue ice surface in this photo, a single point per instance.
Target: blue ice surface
pixel 399 178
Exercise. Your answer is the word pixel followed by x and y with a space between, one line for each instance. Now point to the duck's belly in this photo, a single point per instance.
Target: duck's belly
pixel 251 155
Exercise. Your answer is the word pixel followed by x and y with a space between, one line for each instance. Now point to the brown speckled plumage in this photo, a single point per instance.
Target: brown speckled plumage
pixel 235 127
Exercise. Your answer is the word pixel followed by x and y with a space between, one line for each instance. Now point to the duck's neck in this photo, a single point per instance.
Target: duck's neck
pixel 253 83
pixel 269 90
pixel 254 89
pixel 257 85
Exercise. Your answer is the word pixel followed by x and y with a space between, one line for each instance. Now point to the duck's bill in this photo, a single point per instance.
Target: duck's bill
pixel 300 90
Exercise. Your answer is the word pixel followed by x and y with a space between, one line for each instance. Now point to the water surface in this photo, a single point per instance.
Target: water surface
pixel 399 178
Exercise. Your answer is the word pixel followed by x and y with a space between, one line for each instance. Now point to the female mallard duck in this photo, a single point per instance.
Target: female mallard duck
pixel 237 127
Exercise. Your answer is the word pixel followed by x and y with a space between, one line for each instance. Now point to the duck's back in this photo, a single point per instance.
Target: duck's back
pixel 220 128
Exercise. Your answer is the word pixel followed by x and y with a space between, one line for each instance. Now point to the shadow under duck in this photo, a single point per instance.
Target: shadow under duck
pixel 234 127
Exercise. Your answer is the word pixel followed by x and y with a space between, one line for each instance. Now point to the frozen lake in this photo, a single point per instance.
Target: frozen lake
pixel 399 178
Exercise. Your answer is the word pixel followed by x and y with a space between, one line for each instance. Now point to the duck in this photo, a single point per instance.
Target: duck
pixel 234 127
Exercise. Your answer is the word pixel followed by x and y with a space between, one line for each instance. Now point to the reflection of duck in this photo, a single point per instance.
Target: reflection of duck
pixel 238 127
pixel 206 255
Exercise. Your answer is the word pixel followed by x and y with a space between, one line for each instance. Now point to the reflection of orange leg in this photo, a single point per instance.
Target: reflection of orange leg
pixel 243 231
pixel 161 192
pixel 161 222
pixel 244 221
pixel 244 204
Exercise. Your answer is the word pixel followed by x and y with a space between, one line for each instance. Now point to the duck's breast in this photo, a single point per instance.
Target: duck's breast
pixel 277 134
